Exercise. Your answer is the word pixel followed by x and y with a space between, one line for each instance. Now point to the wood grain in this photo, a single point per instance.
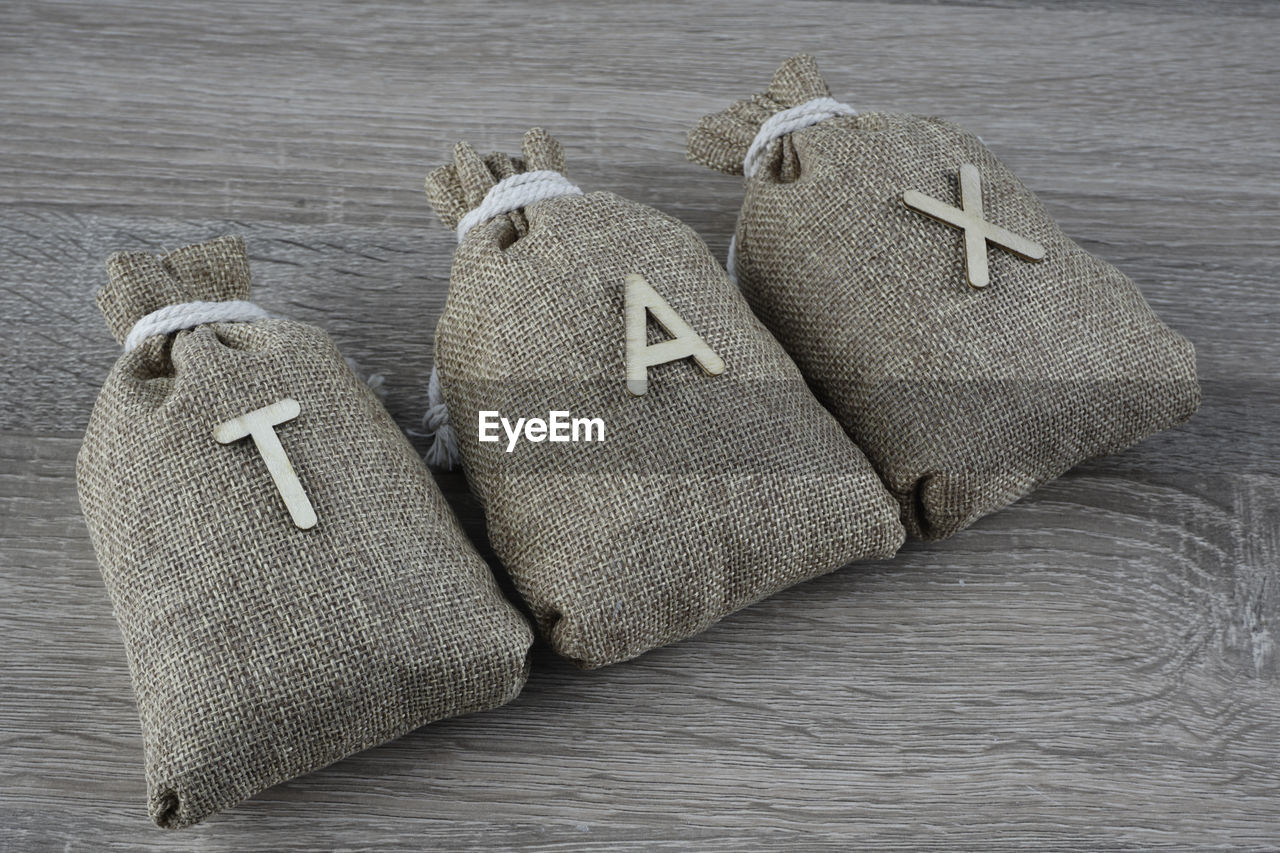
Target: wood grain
pixel 1095 666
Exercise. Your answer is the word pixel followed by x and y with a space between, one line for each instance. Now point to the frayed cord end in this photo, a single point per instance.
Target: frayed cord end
pixel 443 453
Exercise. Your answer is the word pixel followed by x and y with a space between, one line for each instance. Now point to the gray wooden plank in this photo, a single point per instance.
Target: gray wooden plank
pixel 1094 666
pixel 378 292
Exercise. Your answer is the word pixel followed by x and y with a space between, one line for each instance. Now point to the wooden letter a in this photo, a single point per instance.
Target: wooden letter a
pixel 684 342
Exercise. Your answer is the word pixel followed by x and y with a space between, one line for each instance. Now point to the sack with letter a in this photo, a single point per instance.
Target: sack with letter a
pixel 710 476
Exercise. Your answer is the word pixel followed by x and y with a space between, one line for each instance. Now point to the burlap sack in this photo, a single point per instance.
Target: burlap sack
pixel 260 650
pixel 708 493
pixel 963 398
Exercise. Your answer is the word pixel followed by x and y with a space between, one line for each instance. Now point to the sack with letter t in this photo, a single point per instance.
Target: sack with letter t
pixel 291 585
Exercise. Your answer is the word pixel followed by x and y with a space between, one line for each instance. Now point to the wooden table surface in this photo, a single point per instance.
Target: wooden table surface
pixel 1094 666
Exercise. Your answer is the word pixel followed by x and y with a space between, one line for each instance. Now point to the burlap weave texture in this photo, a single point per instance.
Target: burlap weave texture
pixel 709 492
pixel 260 651
pixel 964 399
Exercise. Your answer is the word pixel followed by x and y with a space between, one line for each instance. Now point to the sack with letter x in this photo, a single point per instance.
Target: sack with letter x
pixel 719 479
pixel 291 585
pixel 970 348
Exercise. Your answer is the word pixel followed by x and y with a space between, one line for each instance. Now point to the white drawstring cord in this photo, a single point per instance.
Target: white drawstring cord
pixel 443 453
pixel 775 126
pixel 789 121
pixel 516 192
pixel 188 315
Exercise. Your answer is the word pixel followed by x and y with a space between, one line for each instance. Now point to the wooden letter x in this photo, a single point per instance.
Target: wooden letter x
pixel 260 424
pixel 977 231
pixel 641 301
